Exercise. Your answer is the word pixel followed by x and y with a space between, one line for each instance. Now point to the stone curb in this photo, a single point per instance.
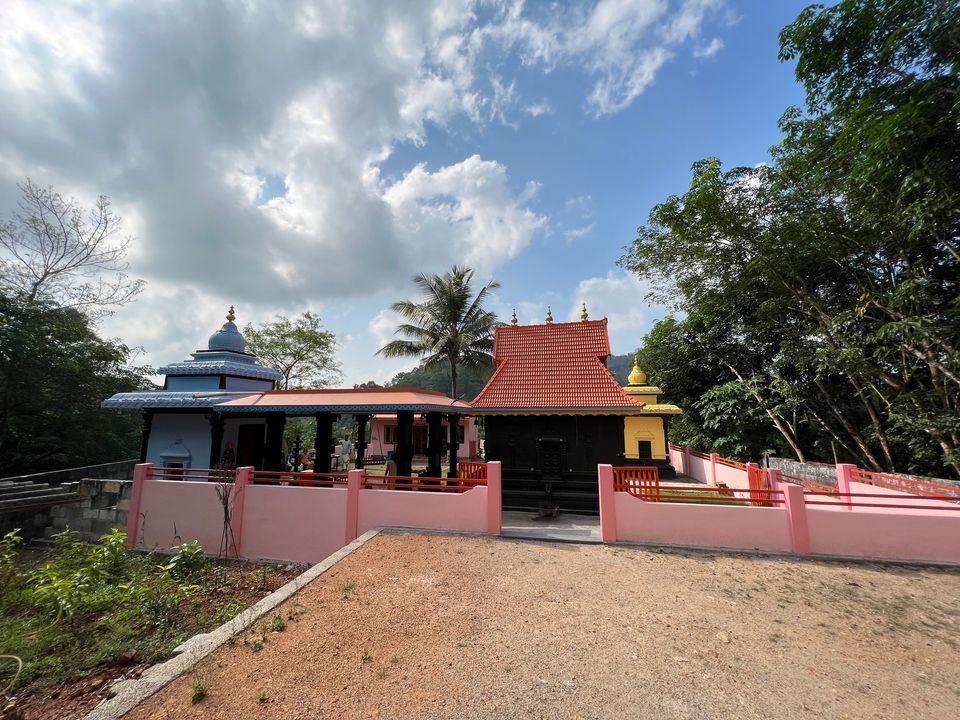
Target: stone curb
pixel 131 693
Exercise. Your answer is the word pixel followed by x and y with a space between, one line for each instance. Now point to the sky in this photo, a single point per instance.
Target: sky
pixel 292 156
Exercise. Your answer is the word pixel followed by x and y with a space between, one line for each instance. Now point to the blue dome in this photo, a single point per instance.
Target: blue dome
pixel 227 337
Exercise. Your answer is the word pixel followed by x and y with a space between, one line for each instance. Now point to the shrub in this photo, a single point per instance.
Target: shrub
pixel 186 561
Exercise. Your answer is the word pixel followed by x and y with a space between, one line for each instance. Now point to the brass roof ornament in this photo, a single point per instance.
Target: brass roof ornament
pixel 549 316
pixel 583 313
pixel 230 315
pixel 513 318
pixel 637 376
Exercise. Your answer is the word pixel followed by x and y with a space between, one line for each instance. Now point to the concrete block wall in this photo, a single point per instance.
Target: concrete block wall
pixel 103 506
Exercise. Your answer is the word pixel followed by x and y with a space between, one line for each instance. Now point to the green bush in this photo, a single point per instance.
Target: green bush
pixel 187 561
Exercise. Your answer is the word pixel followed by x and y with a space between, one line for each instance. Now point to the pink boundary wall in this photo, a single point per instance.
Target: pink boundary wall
pixel 794 527
pixel 298 524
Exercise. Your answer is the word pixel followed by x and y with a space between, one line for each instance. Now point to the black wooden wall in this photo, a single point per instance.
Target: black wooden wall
pixel 590 440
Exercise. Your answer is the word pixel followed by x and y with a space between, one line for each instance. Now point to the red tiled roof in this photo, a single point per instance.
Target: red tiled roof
pixel 371 400
pixel 558 366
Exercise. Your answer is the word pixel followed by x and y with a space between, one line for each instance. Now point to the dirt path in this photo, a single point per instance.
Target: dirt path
pixel 445 627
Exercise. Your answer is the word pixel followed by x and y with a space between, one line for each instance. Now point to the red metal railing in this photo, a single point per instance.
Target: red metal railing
pixel 194 474
pixel 467 470
pixel 696 453
pixel 915 487
pixel 299 479
pixel 759 481
pixel 400 482
pixel 904 502
pixel 731 463
pixel 644 483
pixel 811 485
pixel 641 482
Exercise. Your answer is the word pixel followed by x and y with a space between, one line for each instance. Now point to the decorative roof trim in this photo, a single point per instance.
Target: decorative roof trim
pixel 633 410
pixel 147 399
pixel 342 409
pixel 220 367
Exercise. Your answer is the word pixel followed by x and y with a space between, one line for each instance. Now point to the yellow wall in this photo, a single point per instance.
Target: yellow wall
pixel 644 428
pixel 648 399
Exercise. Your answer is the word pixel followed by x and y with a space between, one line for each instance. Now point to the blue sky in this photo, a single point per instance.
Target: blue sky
pixel 315 155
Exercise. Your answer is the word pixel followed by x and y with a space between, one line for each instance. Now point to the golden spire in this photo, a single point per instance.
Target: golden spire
pixel 549 315
pixel 513 318
pixel 637 376
pixel 230 316
pixel 583 313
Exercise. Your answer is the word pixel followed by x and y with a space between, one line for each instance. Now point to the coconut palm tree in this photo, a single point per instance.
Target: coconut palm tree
pixel 448 324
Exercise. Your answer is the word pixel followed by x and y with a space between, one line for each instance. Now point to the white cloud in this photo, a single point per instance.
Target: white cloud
pixel 181 110
pixel 709 50
pixel 539 108
pixel 461 213
pixel 622 44
pixel 578 232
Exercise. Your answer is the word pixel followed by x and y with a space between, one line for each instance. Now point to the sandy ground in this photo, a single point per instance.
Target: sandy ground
pixel 450 627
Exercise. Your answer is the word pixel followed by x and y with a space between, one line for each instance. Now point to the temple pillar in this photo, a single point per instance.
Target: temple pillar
pixel 323 443
pixel 145 437
pixel 216 438
pixel 403 455
pixel 434 444
pixel 454 443
pixel 273 447
pixel 361 445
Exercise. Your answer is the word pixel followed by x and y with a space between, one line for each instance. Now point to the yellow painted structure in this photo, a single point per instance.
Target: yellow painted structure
pixel 650 425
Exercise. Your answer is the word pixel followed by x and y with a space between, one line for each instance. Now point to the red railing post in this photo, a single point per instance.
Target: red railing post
pixel 494 499
pixel 796 507
pixel 608 509
pixel 355 479
pixel 713 469
pixel 243 478
pixel 844 473
pixel 686 461
pixel 140 474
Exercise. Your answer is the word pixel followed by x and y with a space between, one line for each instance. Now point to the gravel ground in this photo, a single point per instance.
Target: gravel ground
pixel 413 626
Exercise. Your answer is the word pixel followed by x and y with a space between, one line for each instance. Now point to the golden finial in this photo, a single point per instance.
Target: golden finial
pixel 583 312
pixel 513 318
pixel 230 316
pixel 549 315
pixel 637 376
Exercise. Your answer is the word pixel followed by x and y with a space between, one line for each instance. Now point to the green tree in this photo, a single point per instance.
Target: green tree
pixel 470 378
pixel 448 327
pixel 54 372
pixel 300 350
pixel 821 291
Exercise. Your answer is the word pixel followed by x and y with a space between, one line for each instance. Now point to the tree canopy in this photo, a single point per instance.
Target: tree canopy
pixel 820 294
pixel 299 349
pixel 448 327
pixel 54 372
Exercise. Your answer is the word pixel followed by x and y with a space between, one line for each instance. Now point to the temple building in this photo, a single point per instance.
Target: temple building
pixel 221 409
pixel 553 411
pixel 180 428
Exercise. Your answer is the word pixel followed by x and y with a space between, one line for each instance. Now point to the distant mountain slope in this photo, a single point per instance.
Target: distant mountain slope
pixel 620 366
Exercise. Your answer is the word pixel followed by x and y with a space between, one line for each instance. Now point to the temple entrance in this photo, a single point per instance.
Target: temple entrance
pixel 250 446
pixel 645 450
